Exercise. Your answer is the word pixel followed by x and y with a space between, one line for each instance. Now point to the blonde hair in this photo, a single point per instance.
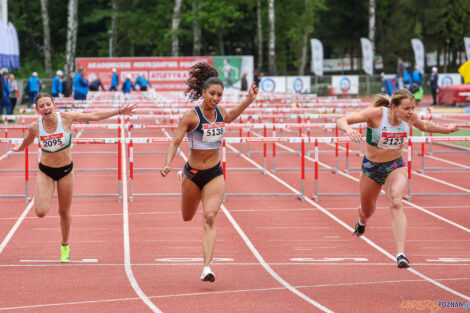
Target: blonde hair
pixel 395 99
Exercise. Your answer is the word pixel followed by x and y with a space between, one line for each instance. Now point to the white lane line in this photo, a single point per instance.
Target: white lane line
pixel 125 226
pixel 447 161
pixel 258 256
pixel 15 227
pixel 222 292
pixel 441 181
pixel 57 261
pixel 404 201
pixel 370 242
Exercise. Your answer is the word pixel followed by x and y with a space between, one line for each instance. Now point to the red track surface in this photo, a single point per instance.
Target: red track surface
pixel 309 251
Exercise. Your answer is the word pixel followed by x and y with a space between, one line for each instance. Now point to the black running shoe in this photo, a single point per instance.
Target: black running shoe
pixel 359 230
pixel 402 261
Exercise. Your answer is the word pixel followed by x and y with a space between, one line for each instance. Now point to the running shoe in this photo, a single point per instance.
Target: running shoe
pixel 207 274
pixel 180 175
pixel 64 253
pixel 359 230
pixel 402 261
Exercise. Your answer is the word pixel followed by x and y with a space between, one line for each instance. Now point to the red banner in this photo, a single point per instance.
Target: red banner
pixel 163 73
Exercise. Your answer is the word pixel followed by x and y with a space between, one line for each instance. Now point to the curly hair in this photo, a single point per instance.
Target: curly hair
pixel 201 76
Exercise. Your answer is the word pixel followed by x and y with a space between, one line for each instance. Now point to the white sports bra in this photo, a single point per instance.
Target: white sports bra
pixel 57 141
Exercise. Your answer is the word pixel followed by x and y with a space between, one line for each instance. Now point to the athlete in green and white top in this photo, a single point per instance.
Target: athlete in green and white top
pixel 53 129
pixel 388 123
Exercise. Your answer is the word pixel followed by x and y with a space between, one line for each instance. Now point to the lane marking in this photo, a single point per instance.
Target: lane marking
pixel 187 260
pixel 125 226
pixel 224 292
pixel 58 261
pixel 447 161
pixel 382 192
pixel 328 259
pixel 258 256
pixel 363 237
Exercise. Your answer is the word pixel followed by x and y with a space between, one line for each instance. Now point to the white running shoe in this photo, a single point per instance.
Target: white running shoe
pixel 207 274
pixel 180 175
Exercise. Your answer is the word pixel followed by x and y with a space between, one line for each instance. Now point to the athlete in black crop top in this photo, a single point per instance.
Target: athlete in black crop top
pixel 203 179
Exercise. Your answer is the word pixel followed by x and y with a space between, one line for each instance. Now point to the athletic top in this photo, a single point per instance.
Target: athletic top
pixel 387 136
pixel 207 135
pixel 57 141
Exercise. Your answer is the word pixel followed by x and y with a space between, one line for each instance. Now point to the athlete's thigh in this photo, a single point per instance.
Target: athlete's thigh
pixel 369 190
pixel 190 197
pixel 396 181
pixel 65 191
pixel 43 192
pixel 213 195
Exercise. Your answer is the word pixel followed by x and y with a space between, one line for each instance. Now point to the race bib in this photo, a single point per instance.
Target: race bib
pixel 392 141
pixel 53 142
pixel 213 132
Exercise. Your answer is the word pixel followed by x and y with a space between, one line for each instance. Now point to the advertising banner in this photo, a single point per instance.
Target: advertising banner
pixel 447 79
pixel 232 68
pixel 292 84
pixel 367 56
pixel 345 85
pixel 418 49
pixel 467 47
pixel 317 57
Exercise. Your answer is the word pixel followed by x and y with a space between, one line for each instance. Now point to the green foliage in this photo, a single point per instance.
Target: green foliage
pixel 144 28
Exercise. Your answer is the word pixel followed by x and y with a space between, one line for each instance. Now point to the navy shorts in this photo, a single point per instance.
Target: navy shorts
pixel 202 177
pixel 378 172
pixel 56 173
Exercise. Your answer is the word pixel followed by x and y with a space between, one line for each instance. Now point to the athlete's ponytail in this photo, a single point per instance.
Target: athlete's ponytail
pixel 397 97
pixel 201 76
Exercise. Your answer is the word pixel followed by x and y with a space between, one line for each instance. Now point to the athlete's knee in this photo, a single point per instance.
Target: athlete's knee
pixel 40 211
pixel 395 201
pixel 209 219
pixel 64 213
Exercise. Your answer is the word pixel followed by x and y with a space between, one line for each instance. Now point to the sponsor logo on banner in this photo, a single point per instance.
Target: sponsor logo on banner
pixel 268 85
pixel 345 84
pixel 298 85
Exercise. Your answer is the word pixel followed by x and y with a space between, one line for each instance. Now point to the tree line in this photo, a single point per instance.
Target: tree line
pixel 276 32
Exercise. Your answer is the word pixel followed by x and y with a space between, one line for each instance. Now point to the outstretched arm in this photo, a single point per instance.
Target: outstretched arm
pixel 101 115
pixel 365 115
pixel 183 127
pixel 233 114
pixel 430 127
pixel 32 133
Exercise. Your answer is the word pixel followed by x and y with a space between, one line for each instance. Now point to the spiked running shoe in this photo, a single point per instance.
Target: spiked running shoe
pixel 359 230
pixel 207 274
pixel 64 253
pixel 402 261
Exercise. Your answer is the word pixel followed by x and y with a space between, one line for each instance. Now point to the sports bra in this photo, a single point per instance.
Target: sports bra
pixel 57 141
pixel 387 136
pixel 207 135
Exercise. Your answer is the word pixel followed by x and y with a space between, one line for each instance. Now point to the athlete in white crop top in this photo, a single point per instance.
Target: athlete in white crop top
pixel 56 167
pixel 203 176
pixel 383 164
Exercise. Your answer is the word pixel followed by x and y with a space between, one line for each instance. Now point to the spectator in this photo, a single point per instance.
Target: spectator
pixel 407 79
pixel 433 84
pixel 142 82
pixel 417 92
pixel 5 102
pixel 33 87
pixel 114 81
pixel 416 76
pixel 80 85
pixel 68 85
pixel 127 85
pixel 15 93
pixel 96 84
pixel 244 82
pixel 56 89
pixel 400 73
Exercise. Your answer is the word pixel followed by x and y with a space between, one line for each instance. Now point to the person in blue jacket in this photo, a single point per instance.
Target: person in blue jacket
pixel 57 84
pixel 142 82
pixel 127 85
pixel 114 81
pixel 80 85
pixel 33 87
pixel 416 77
pixel 5 101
